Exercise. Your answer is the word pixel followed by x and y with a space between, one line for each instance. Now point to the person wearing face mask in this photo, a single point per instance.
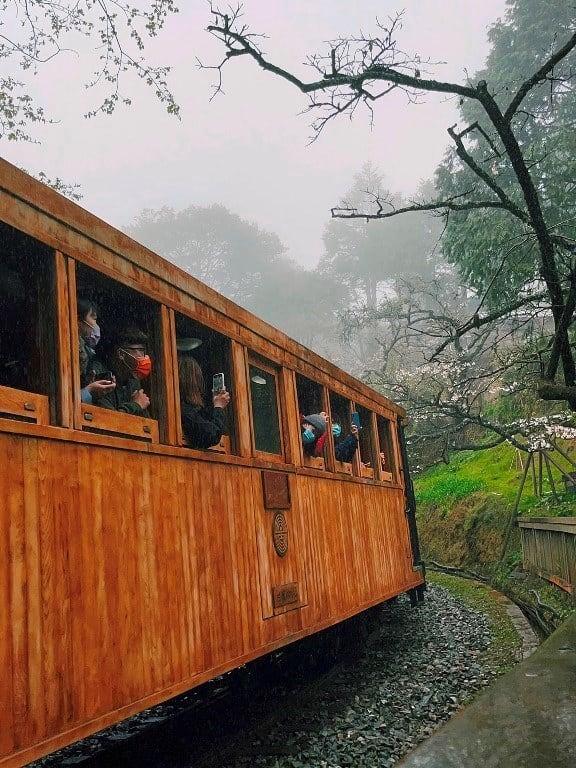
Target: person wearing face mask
pixel 345 449
pixel 313 431
pixel 314 437
pixel 130 363
pixel 88 337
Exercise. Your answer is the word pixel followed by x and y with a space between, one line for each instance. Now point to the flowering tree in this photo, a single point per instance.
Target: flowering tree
pixel 470 395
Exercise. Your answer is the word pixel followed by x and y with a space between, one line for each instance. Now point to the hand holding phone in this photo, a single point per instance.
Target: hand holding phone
pixel 218 383
pixel 104 376
pixel 356 420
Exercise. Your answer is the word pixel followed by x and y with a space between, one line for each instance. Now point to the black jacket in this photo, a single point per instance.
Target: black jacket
pixel 202 426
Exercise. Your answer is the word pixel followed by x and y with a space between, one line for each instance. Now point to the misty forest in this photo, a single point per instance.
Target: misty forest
pixel 456 301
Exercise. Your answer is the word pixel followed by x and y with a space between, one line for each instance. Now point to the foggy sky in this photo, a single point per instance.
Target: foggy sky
pixel 248 149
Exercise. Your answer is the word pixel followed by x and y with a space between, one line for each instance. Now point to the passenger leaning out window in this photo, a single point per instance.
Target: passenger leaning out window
pixel 203 426
pixel 93 389
pixel 345 449
pixel 313 431
pixel 128 365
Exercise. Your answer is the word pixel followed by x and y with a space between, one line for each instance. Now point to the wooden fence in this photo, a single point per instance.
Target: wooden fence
pixel 549 549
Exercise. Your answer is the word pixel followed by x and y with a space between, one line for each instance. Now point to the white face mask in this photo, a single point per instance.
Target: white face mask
pixel 94 337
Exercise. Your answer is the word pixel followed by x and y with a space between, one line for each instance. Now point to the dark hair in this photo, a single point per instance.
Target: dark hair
pixel 84 306
pixel 130 335
pixel 191 380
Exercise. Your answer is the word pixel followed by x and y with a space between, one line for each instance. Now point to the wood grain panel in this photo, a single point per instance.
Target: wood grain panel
pixel 11 512
pixel 132 574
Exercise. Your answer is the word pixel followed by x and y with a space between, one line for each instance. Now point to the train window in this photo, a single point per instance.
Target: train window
pixel 366 441
pixel 28 316
pixel 311 399
pixel 344 447
pixel 265 411
pixel 202 354
pixel 386 448
pixel 128 348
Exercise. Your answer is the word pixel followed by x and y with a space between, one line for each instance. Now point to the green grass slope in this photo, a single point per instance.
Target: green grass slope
pixel 463 508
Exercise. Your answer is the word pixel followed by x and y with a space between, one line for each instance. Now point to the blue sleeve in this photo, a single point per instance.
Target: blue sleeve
pixel 85 396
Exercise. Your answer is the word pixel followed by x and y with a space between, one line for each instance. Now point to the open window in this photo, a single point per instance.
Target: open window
pixel 201 350
pixel 265 408
pixel 387 460
pixel 28 322
pixel 341 416
pixel 311 399
pixel 367 445
pixel 130 330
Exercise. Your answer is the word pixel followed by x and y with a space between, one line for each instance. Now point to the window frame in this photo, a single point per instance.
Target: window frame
pixel 29 406
pixel 367 470
pixel 342 467
pixel 315 462
pixel 229 445
pixel 253 359
pixel 387 445
pixel 93 419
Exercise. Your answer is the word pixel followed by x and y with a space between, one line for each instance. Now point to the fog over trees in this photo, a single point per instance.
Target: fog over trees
pixel 505 193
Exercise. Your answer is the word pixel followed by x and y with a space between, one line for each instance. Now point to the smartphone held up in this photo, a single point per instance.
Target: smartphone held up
pixel 218 383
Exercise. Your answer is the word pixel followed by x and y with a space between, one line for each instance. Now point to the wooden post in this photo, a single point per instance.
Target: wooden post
pixel 514 512
pixel 550 477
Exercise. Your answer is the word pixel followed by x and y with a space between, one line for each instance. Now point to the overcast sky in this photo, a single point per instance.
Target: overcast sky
pixel 248 149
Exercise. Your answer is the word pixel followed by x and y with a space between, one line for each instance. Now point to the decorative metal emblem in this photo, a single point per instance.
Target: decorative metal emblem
pixel 280 534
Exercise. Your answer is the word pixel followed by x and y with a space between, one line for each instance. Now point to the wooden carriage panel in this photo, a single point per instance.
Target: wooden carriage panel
pixel 103 420
pixel 358 551
pixel 280 533
pixel 135 574
pixel 138 575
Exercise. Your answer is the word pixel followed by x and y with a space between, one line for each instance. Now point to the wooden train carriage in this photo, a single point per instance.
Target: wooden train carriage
pixel 134 567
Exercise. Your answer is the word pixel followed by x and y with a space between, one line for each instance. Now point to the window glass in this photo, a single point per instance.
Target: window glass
pixel 386 445
pixel 264 400
pixel 310 396
pixel 203 354
pixel 27 313
pixel 128 347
